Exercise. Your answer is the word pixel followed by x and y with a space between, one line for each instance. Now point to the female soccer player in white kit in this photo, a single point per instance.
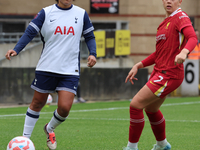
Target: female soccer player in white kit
pixel 61 26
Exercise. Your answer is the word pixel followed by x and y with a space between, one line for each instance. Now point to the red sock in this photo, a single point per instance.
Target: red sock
pixel 157 122
pixel 136 124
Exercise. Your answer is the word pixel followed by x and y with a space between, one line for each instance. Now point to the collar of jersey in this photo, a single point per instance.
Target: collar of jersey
pixel 175 12
pixel 64 8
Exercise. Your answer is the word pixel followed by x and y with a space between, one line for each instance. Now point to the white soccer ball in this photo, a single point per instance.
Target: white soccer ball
pixel 20 143
pixel 49 99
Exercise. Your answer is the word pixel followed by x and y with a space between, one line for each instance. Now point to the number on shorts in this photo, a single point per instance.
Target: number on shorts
pixel 161 78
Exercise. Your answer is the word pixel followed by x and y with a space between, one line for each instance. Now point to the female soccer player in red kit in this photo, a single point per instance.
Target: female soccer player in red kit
pixel 168 74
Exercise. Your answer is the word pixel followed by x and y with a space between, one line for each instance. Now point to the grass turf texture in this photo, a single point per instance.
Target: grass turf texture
pixel 105 125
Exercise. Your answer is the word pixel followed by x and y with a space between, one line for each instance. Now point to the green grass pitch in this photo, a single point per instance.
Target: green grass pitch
pixel 105 125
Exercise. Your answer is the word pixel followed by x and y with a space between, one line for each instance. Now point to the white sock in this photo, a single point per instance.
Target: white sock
pixel 30 121
pixel 162 143
pixel 132 145
pixel 55 121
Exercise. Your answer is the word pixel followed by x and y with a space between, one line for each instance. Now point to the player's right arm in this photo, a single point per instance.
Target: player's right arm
pixel 133 72
pixel 150 60
pixel 10 53
pixel 31 31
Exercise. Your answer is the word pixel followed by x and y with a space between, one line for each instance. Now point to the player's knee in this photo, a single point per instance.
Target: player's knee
pixel 37 104
pixel 63 111
pixel 151 110
pixel 136 105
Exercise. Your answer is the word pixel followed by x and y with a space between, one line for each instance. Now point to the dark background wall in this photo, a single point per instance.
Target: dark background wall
pixel 96 84
pixel 109 83
pixel 15 85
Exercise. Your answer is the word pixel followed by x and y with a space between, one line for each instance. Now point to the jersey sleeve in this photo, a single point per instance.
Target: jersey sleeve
pixel 38 21
pixel 31 31
pixel 87 27
pixel 91 43
pixel 191 37
pixel 150 60
pixel 182 21
pixel 89 35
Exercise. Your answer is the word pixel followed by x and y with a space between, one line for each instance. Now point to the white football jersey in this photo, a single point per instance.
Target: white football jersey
pixel 61 33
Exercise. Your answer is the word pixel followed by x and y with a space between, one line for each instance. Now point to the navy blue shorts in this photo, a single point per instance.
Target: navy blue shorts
pixel 46 82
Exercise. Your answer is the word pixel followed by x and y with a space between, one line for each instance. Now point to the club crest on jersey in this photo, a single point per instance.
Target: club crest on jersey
pixel 64 30
pixel 167 25
pixel 76 19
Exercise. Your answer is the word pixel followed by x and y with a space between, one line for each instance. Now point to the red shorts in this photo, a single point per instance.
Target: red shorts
pixel 162 85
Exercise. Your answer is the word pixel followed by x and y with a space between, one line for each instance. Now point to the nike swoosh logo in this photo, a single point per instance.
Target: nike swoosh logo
pixel 52 20
pixel 26 134
pixel 152 82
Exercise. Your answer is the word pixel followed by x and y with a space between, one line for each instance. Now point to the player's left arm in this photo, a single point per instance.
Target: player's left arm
pixel 191 37
pixel 184 25
pixel 90 40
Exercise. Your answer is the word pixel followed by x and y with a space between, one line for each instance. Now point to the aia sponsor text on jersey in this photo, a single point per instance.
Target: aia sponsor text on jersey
pixel 64 30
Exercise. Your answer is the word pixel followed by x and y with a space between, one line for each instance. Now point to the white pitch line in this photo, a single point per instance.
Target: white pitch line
pixel 103 109
pixel 117 108
pixel 118 119
pixel 184 103
pixel 182 120
pixel 123 119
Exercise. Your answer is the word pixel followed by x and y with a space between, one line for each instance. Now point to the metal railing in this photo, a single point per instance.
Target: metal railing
pixel 14 37
pixel 25 49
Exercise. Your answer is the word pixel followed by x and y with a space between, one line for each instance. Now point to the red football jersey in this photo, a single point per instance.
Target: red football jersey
pixel 169 42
